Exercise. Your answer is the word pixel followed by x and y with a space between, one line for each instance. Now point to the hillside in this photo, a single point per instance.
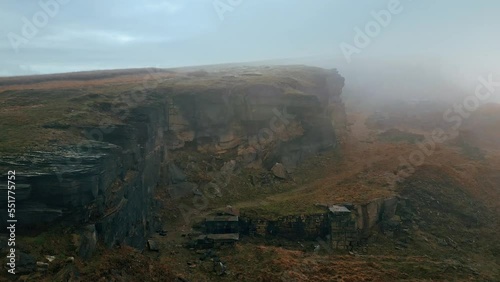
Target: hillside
pixel 110 160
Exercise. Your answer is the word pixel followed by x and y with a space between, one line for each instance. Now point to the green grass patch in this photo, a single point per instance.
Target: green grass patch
pixel 396 136
pixel 472 152
pixel 57 241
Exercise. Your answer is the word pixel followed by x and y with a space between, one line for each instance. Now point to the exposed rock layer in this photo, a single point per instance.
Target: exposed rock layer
pixel 109 183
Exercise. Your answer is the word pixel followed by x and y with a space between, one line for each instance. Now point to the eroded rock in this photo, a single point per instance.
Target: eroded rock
pixel 110 183
pixel 279 171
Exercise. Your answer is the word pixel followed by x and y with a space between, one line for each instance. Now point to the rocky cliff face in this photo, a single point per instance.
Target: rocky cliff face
pixel 262 121
pixel 108 185
pixel 105 183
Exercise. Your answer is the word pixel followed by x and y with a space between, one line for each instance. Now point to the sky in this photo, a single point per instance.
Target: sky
pixel 457 37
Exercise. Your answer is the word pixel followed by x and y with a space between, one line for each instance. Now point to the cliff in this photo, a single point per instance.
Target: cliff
pixel 92 151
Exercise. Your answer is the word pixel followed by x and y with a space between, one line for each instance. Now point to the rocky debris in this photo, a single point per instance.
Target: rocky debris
pixel 152 246
pixel 230 210
pixel 219 267
pixel 176 175
pixel 182 190
pixel 69 273
pixel 262 179
pixel 391 226
pixel 447 242
pixel 211 189
pixel 41 266
pixel 208 255
pixel 452 243
pixel 402 245
pixel 442 242
pixel 161 232
pixel 50 258
pixel 70 259
pixel 279 171
pixel 228 168
pixel 197 192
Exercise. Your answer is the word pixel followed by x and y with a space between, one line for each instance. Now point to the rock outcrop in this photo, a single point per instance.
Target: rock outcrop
pixel 107 182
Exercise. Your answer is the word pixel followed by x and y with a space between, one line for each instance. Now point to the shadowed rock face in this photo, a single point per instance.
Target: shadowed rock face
pixel 260 120
pixel 110 183
pixel 97 183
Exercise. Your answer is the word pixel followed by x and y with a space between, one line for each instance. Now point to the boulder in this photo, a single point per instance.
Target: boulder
pixel 211 190
pixel 279 170
pixel 176 175
pixel 50 258
pixel 42 266
pixel 152 246
pixel 228 168
pixel 181 190
pixel 371 213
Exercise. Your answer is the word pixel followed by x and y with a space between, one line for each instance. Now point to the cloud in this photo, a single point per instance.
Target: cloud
pixel 119 33
pixel 97 36
pixel 168 7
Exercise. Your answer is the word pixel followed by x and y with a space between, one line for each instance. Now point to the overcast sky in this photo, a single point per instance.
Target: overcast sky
pixel 97 34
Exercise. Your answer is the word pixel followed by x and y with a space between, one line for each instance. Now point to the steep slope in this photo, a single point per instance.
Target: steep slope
pixel 91 149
